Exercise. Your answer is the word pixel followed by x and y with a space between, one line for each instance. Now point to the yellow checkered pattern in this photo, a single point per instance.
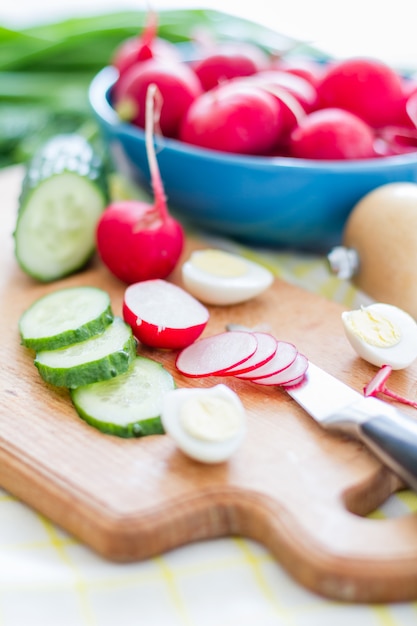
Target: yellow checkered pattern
pixel 48 579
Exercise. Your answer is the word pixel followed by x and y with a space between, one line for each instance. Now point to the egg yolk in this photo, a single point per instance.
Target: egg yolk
pixel 219 263
pixel 210 418
pixel 373 328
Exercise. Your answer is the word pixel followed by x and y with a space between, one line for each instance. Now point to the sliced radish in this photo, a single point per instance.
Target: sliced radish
pixel 293 383
pixel 266 349
pixel 288 375
pixel 282 359
pixel 212 356
pixel 163 315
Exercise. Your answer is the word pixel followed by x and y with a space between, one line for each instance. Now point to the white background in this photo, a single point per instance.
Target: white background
pixel 386 29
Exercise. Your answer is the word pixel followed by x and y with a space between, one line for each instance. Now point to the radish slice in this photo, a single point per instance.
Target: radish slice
pixel 290 374
pixel 214 355
pixel 282 359
pixel 163 315
pixel 266 349
pixel 293 383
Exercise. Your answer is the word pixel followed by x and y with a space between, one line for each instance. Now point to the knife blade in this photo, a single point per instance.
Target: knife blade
pixel 388 433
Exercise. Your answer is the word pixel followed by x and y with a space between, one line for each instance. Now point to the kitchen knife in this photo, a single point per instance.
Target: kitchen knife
pixel 389 434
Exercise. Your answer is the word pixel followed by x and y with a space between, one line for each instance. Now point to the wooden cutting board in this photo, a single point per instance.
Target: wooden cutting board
pixel 298 490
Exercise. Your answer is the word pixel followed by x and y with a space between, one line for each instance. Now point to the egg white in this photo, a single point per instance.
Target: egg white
pixel 399 355
pixel 211 287
pixel 205 451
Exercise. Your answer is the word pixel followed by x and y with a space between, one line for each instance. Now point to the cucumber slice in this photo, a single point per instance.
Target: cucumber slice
pixel 102 357
pixel 63 196
pixel 64 317
pixel 128 405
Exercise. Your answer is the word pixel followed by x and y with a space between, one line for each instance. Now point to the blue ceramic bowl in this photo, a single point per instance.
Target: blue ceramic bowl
pixel 275 202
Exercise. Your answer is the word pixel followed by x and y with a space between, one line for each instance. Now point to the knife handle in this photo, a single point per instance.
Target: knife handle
pixel 391 435
pixel 395 443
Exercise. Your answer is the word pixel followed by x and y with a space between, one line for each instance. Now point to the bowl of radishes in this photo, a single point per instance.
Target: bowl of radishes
pixel 275 155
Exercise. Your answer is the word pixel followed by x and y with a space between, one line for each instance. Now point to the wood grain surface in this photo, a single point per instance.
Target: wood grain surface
pixel 293 487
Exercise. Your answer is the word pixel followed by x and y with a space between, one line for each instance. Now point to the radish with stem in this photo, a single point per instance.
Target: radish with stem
pixel 144 46
pixel 177 82
pixel 377 385
pixel 137 240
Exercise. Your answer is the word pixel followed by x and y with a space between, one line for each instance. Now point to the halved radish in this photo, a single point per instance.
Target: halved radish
pixel 288 375
pixel 212 356
pixel 163 315
pixel 284 356
pixel 266 349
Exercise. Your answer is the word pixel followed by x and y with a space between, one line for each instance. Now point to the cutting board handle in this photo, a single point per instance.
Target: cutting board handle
pixel 335 552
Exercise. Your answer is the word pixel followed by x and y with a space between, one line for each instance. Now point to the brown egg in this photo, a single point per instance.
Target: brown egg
pixel 382 229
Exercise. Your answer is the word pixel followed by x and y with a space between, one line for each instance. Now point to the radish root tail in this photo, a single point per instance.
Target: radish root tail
pixel 153 112
pixel 378 386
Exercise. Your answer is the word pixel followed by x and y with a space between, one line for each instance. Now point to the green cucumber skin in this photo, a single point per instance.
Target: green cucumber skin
pixel 71 336
pixel 138 423
pixel 143 428
pixel 61 154
pixel 92 372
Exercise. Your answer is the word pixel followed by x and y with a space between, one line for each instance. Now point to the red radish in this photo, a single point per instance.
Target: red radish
pixel 234 117
pixel 332 134
pixel 214 355
pixel 265 350
pixel 411 109
pixel 396 140
pixel 299 87
pixel 366 87
pixel 137 240
pixel 177 83
pixel 163 315
pixel 284 356
pixel 409 85
pixel 404 118
pixel 309 69
pixel 377 385
pixel 296 96
pixel 229 60
pixel 293 383
pixel 144 46
pixel 290 374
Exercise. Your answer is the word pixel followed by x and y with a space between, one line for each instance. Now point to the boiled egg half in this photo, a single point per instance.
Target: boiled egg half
pixel 382 334
pixel 207 424
pixel 217 277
